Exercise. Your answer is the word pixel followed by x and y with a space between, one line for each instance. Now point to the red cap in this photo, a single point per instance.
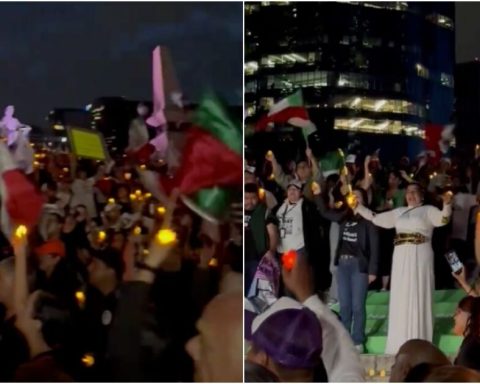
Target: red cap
pixel 51 247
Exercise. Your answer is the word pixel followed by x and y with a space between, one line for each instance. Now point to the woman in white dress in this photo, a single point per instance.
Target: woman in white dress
pixel 412 279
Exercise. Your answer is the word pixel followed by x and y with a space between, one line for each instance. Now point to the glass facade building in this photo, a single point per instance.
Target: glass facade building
pixel 364 68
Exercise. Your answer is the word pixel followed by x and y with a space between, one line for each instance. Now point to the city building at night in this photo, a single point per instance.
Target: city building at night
pixel 380 70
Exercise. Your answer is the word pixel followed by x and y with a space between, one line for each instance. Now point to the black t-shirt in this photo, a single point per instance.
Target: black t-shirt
pixel 349 239
pixel 250 251
pixel 469 353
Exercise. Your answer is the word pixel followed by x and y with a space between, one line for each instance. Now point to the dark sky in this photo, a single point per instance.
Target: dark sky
pixel 467 31
pixel 66 54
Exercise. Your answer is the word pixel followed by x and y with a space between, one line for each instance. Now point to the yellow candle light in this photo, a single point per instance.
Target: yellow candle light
pixel 127 175
pixel 21 231
pixel 383 373
pixel 146 252
pixel 138 192
pixel 80 297
pixel 143 167
pixel 166 236
pixel 102 236
pixel 338 204
pixel 137 231
pixel 111 201
pixel 261 193
pixel 161 210
pixel 213 263
pixel 133 196
pixel 148 195
pixel 351 200
pixel 88 360
pixel 65 170
pixel 371 372
pixel 271 177
pixel 269 154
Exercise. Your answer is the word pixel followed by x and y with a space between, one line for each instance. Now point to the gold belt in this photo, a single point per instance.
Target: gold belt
pixel 409 238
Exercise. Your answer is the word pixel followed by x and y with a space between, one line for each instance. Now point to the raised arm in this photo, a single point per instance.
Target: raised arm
pixel 280 177
pixel 324 212
pixel 438 217
pixel 384 219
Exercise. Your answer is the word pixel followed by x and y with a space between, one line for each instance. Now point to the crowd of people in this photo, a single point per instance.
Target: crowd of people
pixel 315 237
pixel 93 292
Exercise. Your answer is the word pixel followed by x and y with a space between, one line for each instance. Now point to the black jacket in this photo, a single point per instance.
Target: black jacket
pixel 368 240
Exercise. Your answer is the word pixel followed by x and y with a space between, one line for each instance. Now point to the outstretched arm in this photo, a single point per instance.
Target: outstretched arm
pixel 439 217
pixel 384 219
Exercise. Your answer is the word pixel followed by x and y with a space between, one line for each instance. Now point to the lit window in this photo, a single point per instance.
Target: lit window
pixel 353 80
pixel 378 105
pixel 441 21
pixel 446 80
pixel 392 127
pixel 422 71
pixel 251 67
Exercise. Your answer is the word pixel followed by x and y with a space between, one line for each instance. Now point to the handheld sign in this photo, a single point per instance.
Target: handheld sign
pixel 87 144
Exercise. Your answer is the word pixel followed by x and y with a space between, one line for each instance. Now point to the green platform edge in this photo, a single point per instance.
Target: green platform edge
pixel 444 305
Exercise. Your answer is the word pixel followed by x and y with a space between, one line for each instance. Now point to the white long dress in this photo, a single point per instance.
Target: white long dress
pixel 412 279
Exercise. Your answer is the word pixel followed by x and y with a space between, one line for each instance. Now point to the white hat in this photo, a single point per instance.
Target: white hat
pixel 295 183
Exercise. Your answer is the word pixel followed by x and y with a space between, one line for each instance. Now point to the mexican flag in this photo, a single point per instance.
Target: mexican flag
pixel 290 110
pixel 332 163
pixel 211 164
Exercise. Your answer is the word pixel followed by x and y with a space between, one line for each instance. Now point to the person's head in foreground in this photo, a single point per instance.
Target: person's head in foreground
pixel 432 373
pixel 413 353
pixel 294 191
pixel 468 355
pixel 462 315
pixel 217 350
pixel 287 340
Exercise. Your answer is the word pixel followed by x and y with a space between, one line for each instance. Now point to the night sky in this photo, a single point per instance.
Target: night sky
pixel 66 54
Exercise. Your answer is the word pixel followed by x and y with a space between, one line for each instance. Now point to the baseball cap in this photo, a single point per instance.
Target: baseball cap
pixel 288 332
pixel 295 183
pixel 51 247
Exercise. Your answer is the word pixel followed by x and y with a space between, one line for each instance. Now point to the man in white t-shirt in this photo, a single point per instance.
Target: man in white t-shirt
pixel 290 219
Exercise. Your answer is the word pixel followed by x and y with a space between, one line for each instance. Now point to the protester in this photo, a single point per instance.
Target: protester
pixel 413 257
pixel 357 263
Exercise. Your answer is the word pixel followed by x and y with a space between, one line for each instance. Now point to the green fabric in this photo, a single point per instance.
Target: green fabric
pixel 444 305
pixel 295 99
pixel 332 161
pixel 212 203
pixel 212 117
pixel 258 229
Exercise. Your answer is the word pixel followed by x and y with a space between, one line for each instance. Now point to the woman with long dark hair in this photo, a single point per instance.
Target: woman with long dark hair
pixel 356 259
pixel 412 277
pixel 468 355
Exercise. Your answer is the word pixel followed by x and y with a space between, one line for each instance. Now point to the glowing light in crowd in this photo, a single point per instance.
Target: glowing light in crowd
pixel 21 231
pixel 161 210
pixel 88 360
pixel 102 236
pixel 213 262
pixel 80 297
pixel 166 237
pixel 288 259
pixel 261 193
pixel 137 231
pixel 133 196
pixel 111 201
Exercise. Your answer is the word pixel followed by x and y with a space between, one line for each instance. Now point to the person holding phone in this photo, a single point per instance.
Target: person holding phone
pixel 412 277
